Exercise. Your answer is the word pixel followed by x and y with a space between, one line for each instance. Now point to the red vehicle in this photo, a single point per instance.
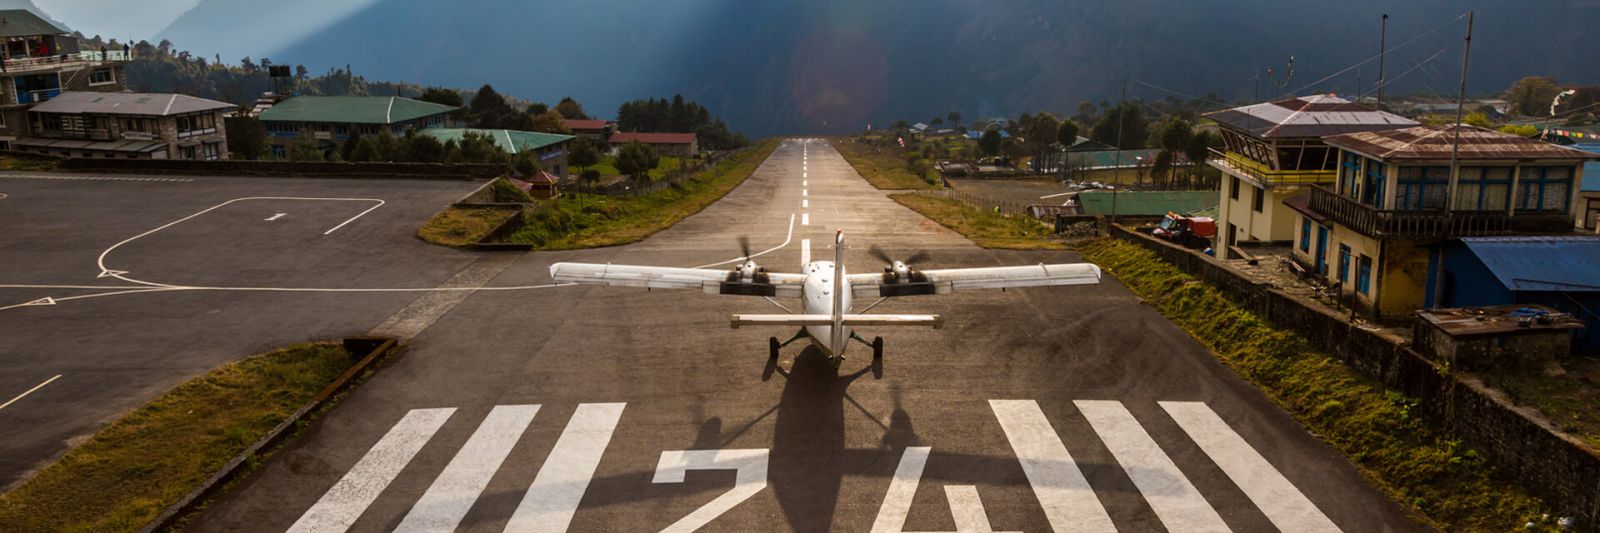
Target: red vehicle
pixel 1192 232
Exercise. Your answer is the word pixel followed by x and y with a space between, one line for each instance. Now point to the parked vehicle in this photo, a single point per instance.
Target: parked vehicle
pixel 1190 232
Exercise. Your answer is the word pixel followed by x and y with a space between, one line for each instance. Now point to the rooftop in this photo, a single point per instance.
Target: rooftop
pixel 585 124
pixel 1591 170
pixel 1146 203
pixel 1496 320
pixel 1307 116
pixel 653 138
pixel 511 141
pixel 150 104
pixel 1558 263
pixel 1434 142
pixel 21 22
pixel 352 109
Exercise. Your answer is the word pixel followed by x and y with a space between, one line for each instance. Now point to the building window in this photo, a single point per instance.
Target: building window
pixel 188 152
pixel 102 76
pixel 1306 234
pixel 210 151
pixel 1344 264
pixel 1259 199
pixel 1544 189
pixel 1373 184
pixel 1483 189
pixel 1422 188
pixel 278 152
pixel 1364 275
pixel 1348 170
pixel 1233 188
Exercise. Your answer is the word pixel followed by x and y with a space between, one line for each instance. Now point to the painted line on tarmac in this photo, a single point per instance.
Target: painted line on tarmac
pixel 786 240
pixel 805 252
pixel 29 391
pixel 1069 502
pixel 558 488
pixel 1174 499
pixel 1284 505
pixel 806 203
pixel 463 480
pixel 349 497
pixel 805 219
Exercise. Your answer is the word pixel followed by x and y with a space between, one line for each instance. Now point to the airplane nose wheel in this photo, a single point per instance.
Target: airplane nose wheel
pixel 877 347
pixel 772 347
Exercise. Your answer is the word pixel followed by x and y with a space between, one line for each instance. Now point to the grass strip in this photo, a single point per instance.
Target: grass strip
pixel 463 226
pixel 984 227
pixel 29 164
pixel 133 469
pixel 884 170
pixel 589 221
pixel 1412 459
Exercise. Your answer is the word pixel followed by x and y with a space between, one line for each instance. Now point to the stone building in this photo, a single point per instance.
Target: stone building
pixel 41 60
pixel 333 120
pixel 127 126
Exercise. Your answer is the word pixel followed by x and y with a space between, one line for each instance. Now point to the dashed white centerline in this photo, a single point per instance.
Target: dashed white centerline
pixel 805 203
pixel 805 252
pixel 803 193
pixel 29 391
pixel 805 219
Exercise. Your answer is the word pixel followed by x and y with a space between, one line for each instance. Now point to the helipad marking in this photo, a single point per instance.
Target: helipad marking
pixel 559 486
pixel 1174 499
pixel 453 492
pixel 29 391
pixel 349 497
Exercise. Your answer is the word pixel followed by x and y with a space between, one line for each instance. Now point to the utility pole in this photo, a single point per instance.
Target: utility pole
pixel 1461 102
pixel 1383 48
pixel 1122 120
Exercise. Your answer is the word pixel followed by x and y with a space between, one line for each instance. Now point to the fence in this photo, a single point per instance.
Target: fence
pixel 629 188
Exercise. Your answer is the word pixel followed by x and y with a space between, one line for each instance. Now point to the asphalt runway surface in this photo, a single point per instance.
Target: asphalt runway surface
pixel 612 409
pixel 108 344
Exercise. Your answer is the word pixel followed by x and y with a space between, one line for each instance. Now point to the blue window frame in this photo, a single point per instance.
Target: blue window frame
pixel 1483 189
pixel 1364 275
pixel 1372 185
pixel 1544 189
pixel 1344 263
pixel 1305 234
pixel 1422 188
pixel 1348 170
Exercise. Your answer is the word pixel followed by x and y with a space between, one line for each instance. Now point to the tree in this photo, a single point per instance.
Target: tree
pixel 538 108
pixel 478 148
pixel 634 158
pixel 570 109
pixel 582 154
pixel 388 147
pixel 1041 132
pixel 489 101
pixel 1524 130
pixel 990 142
pixel 1176 134
pixel 901 125
pixel 954 117
pixel 1162 167
pixel 1067 133
pixel 1531 96
pixel 424 149
pixel 550 122
pixel 937 121
pixel 442 96
pixel 247 137
pixel 348 150
pixel 1477 118
pixel 305 148
pixel 1125 120
pixel 365 149
pixel 525 164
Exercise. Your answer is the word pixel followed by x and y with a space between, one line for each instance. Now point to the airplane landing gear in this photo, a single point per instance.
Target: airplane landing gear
pixel 772 347
pixel 877 347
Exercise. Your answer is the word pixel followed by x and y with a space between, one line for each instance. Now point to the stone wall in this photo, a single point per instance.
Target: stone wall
pixel 287 169
pixel 1561 469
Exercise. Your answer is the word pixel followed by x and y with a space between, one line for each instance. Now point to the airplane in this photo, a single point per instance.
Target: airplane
pixel 826 298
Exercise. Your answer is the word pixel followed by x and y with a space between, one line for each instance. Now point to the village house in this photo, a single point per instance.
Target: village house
pixel 1274 151
pixel 1377 230
pixel 333 120
pixel 596 130
pixel 669 144
pixel 551 148
pixel 127 126
pixel 40 61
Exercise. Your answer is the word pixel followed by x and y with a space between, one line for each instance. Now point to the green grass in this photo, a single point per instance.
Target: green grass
pixel 457 227
pixel 1412 459
pixel 884 169
pixel 127 473
pixel 28 163
pixel 984 227
pixel 608 166
pixel 588 221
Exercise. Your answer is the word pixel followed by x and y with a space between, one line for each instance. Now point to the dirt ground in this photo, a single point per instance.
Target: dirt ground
pixel 1021 191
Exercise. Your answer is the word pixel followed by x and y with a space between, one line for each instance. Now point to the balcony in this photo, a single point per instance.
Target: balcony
pixel 34 97
pixel 23 65
pixel 1389 223
pixel 1239 165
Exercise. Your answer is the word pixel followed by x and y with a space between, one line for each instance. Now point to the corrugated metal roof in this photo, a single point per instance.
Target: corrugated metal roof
pixel 652 138
pixel 511 141
pixel 1435 142
pixel 352 109
pixel 1563 264
pixel 1307 116
pixel 21 22
pixel 147 104
pixel 1147 203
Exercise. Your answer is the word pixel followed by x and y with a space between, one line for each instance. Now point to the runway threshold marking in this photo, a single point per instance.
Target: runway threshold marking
pixel 29 391
pixel 750 477
pixel 559 486
pixel 1068 500
pixel 965 505
pixel 463 480
pixel 1284 505
pixel 349 497
pixel 1170 494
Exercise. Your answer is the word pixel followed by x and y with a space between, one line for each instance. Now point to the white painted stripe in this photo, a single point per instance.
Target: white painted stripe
pixel 347 499
pixel 805 219
pixel 805 252
pixel 29 391
pixel 1277 498
pixel 750 466
pixel 967 509
pixel 897 502
pixel 454 491
pixel 1068 500
pixel 1170 494
pixel 805 183
pixel 803 192
pixel 805 203
pixel 553 498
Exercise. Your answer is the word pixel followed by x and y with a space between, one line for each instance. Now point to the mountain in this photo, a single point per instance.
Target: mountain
pixel 795 66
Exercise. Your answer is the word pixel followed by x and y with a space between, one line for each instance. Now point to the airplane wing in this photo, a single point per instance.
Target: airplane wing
pixel 949 280
pixel 654 277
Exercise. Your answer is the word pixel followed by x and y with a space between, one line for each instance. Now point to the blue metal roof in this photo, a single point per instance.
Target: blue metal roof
pixel 1561 264
pixel 1591 170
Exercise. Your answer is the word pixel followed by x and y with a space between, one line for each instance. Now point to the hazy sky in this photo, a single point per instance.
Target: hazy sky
pixel 123 19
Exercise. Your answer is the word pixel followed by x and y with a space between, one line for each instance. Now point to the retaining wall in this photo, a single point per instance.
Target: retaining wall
pixel 1561 469
pixel 294 169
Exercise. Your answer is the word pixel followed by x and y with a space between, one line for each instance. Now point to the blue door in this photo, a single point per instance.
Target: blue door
pixel 1322 250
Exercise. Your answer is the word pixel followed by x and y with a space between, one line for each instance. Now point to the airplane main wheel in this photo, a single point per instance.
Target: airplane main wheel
pixel 877 347
pixel 772 347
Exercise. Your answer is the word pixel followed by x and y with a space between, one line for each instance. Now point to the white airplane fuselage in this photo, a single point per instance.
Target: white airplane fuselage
pixel 817 297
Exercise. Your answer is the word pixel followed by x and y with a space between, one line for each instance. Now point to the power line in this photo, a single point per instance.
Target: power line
pixel 1189 96
pixel 1375 57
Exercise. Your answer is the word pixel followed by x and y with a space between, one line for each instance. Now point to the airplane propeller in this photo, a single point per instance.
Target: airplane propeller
pixel 899 269
pixel 747 270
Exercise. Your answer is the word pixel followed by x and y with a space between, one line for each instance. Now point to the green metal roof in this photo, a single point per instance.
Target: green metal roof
pixel 21 22
pixel 512 141
pixel 1147 203
pixel 352 109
